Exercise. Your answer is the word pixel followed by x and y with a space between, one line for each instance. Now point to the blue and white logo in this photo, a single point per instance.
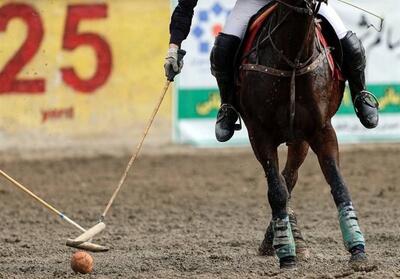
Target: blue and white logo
pixel 207 24
pixel 209 19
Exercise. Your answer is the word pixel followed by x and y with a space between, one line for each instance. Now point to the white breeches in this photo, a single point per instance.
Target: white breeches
pixel 238 19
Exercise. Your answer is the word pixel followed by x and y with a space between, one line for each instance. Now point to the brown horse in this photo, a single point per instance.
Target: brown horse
pixel 287 94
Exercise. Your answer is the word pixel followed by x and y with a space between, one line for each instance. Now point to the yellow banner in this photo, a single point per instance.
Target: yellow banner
pixel 81 68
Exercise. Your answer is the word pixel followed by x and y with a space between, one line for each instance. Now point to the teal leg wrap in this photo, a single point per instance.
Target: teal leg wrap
pixel 351 232
pixel 283 238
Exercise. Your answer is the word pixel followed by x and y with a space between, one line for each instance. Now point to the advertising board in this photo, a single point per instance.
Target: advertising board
pixel 196 100
pixel 80 69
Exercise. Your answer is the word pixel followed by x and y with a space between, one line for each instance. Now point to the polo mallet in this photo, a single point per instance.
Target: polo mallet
pixel 101 225
pixel 378 29
pixel 84 245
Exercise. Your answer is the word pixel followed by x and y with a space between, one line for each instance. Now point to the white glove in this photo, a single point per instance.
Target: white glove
pixel 173 62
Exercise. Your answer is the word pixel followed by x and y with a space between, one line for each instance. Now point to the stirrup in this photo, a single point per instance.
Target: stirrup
pixel 367 98
pixel 366 106
pixel 237 127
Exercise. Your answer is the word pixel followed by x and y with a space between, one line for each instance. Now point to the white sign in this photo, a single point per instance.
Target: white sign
pixel 196 104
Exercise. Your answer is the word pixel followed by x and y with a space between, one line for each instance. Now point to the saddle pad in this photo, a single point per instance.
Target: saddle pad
pixel 255 26
pixel 336 72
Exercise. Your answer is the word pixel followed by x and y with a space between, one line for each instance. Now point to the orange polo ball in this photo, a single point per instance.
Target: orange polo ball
pixel 82 262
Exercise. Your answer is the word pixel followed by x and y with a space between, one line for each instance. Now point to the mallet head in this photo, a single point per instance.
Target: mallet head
pixel 87 246
pixel 83 241
pixel 90 233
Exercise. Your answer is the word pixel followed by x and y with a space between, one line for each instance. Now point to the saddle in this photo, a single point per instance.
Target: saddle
pixel 324 32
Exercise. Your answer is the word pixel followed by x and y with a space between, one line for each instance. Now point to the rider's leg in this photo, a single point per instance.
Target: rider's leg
pixel 222 57
pixel 222 63
pixel 354 63
pixel 365 104
pixel 334 20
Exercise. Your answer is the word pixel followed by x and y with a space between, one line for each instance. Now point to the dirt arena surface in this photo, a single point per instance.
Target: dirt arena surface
pixel 197 214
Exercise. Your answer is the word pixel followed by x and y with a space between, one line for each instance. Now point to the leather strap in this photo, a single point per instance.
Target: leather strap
pixel 283 73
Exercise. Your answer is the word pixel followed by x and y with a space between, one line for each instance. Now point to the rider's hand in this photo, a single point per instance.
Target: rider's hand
pixel 173 62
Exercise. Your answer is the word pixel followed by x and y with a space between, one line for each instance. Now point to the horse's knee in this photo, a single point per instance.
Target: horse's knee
pixel 277 191
pixel 278 197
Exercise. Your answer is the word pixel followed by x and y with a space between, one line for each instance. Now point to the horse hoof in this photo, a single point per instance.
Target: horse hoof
pixel 359 262
pixel 303 254
pixel 288 263
pixel 359 257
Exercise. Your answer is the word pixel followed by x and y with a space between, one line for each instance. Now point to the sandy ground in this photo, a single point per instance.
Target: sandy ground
pixel 197 214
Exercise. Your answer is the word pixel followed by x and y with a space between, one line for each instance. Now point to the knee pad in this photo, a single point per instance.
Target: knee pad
pixel 223 54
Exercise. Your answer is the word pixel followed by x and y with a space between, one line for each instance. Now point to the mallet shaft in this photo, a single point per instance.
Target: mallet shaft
pixel 40 200
pixel 362 9
pixel 138 148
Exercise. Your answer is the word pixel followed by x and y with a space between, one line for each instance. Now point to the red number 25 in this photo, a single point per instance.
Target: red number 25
pixel 71 40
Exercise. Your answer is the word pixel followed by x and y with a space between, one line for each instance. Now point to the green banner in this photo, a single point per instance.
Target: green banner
pixel 204 103
pixel 198 103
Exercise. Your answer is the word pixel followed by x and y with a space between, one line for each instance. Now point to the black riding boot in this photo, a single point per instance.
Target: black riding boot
pixel 365 103
pixel 222 67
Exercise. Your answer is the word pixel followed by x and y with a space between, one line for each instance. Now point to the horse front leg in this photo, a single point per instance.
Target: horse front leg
pixel 282 240
pixel 296 155
pixel 326 147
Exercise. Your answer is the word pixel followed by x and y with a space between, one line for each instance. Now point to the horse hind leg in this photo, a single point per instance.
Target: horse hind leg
pixel 296 155
pixel 282 237
pixel 266 248
pixel 326 147
pixel 302 252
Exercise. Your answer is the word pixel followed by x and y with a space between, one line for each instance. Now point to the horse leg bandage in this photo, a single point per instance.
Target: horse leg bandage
pixel 351 232
pixel 298 237
pixel 283 238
